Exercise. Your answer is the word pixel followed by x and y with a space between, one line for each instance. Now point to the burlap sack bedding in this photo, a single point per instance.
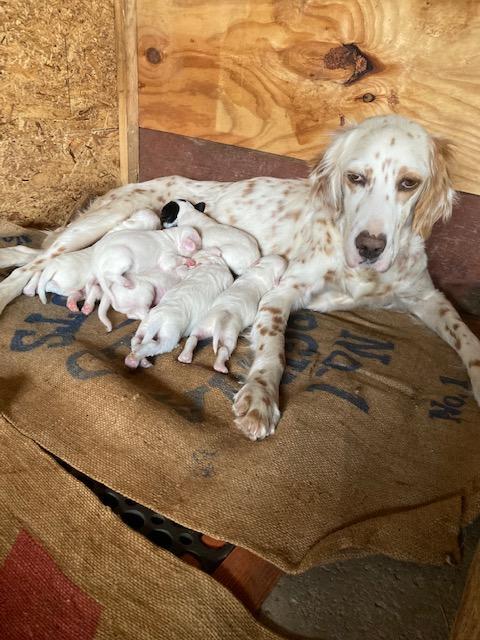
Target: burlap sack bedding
pixel 378 448
pixel 70 570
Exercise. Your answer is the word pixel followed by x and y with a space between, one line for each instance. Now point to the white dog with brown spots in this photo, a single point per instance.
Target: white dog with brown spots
pixel 234 310
pixel 353 234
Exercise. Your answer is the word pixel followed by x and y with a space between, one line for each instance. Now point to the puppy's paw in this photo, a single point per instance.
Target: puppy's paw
pixel 256 411
pixel 132 361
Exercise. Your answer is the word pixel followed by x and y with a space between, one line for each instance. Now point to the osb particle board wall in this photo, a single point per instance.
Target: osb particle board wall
pixel 59 141
pixel 278 75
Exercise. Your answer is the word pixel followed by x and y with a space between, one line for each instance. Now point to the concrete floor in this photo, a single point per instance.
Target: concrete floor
pixel 372 598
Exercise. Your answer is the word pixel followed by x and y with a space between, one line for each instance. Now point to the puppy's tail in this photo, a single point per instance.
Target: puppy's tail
pixel 220 328
pixel 103 307
pixel 45 277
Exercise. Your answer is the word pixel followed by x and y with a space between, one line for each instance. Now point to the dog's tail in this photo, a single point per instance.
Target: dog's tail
pixel 13 286
pixel 17 256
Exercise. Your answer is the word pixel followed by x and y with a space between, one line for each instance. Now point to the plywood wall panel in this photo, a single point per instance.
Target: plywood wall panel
pixel 58 107
pixel 279 75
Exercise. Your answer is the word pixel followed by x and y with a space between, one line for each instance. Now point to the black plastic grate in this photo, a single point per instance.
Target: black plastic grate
pixel 163 532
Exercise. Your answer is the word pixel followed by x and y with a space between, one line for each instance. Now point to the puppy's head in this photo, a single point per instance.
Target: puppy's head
pixel 171 210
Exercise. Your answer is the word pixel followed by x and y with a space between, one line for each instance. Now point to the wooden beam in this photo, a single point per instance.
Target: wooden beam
pixel 127 79
pixel 467 622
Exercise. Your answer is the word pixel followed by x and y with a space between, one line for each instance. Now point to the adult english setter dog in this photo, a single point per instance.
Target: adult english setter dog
pixel 353 234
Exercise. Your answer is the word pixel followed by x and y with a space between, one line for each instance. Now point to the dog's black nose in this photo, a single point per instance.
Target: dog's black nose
pixel 370 247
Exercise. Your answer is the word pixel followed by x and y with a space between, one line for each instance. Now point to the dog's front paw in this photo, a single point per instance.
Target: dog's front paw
pixel 256 411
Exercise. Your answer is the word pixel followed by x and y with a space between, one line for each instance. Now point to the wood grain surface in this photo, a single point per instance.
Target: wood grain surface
pixel 280 75
pixel 467 623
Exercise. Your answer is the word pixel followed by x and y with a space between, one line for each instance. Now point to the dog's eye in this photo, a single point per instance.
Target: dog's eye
pixel 407 184
pixel 356 178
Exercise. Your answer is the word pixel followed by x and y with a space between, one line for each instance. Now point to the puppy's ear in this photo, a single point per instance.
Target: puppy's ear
pixel 188 246
pixel 200 206
pixel 169 213
pixel 437 196
pixel 171 208
pixel 326 175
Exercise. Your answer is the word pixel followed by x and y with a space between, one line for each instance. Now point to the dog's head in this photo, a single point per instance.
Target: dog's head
pixel 378 178
pixel 172 209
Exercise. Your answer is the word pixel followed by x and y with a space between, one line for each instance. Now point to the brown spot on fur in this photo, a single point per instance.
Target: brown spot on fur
pixel 273 333
pixel 271 309
pixel 458 344
pixel 293 215
pixel 455 326
pixel 138 191
pixel 260 381
pixel 266 401
pixel 377 155
pixel 255 414
pixel 330 275
pixel 474 363
pixel 286 191
pixel 443 311
pixel 387 197
pixel 264 331
pixel 232 220
pixel 261 347
pixel 410 135
pixel 249 187
pixel 392 142
pixel 277 319
pixel 328 237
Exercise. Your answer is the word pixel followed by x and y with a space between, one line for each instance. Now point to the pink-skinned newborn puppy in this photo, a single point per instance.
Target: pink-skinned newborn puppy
pixel 117 255
pixel 234 310
pixel 148 289
pixel 180 308
pixel 239 249
pixel 68 274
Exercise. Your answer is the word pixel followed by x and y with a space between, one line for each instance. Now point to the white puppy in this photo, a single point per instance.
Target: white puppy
pixel 239 249
pixel 234 310
pixel 118 254
pixel 148 289
pixel 181 308
pixel 68 274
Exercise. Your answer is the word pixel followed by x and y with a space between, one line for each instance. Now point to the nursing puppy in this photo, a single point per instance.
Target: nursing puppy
pixel 234 310
pixel 68 274
pixel 120 254
pixel 148 289
pixel 239 249
pixel 181 308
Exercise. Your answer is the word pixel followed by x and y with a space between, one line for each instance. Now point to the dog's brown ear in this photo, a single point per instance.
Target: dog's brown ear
pixel 437 196
pixel 326 178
